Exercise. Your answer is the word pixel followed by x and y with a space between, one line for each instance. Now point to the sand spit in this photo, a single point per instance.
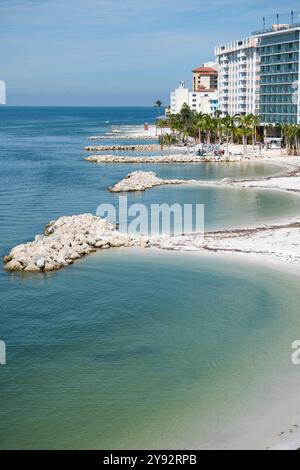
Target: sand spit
pixel 122 137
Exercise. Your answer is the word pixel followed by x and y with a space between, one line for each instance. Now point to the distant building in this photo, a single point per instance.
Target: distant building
pixel 2 92
pixel 205 76
pixel 204 100
pixel 179 97
pixel 238 84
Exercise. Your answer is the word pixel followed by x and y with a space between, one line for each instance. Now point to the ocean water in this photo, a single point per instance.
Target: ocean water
pixel 127 348
pixel 43 174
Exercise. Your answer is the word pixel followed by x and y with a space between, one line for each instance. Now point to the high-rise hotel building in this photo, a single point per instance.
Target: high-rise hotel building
pixel 238 83
pixel 279 98
pixel 260 75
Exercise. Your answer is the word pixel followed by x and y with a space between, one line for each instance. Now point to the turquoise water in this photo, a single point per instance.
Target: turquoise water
pixel 143 351
pixel 43 175
pixel 126 348
pixel 223 207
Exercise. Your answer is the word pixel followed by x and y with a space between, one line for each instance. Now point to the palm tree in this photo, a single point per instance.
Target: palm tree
pixel 254 121
pixel 174 123
pixel 245 128
pixel 168 139
pixel 161 124
pixel 228 127
pixel 210 123
pixel 158 104
pixel 218 120
pixel 291 134
pixel 201 125
pixel 185 121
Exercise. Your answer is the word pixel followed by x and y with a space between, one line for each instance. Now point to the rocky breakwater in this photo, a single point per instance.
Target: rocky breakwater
pixel 142 180
pixel 160 159
pixel 148 159
pixel 65 240
pixel 129 148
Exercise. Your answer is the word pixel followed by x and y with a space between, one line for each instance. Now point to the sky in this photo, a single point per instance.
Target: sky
pixel 115 52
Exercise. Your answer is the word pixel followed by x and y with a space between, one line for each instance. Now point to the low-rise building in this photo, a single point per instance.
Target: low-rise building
pixel 204 100
pixel 179 97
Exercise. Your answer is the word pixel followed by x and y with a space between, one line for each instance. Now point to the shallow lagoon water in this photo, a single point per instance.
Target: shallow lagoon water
pixel 131 349
pixel 223 207
pixel 134 350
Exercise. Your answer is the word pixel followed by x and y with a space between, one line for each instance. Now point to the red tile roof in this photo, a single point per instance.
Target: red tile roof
pixel 205 71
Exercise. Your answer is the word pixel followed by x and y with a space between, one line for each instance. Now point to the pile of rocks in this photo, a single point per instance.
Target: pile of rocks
pixel 146 159
pixel 129 148
pixel 65 240
pixel 142 180
pixel 159 159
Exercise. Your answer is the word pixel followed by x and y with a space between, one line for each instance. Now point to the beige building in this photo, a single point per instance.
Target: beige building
pixel 205 78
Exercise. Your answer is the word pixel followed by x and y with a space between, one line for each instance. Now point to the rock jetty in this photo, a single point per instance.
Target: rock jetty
pixel 65 240
pixel 142 180
pixel 129 148
pixel 161 159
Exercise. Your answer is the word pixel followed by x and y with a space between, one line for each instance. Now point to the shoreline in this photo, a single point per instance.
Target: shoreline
pixel 280 431
pixel 284 435
pixel 234 244
pixel 262 241
pixel 277 426
pixel 277 241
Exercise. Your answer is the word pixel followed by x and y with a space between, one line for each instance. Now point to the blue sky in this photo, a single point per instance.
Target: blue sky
pixel 115 52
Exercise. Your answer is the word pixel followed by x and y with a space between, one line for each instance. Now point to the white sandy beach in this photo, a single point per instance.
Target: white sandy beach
pixel 278 247
pixel 129 133
pixel 279 242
